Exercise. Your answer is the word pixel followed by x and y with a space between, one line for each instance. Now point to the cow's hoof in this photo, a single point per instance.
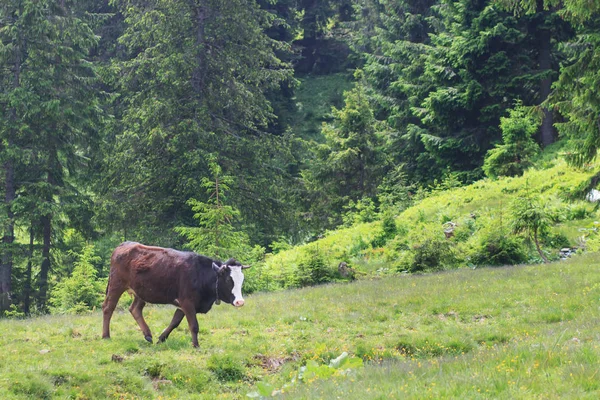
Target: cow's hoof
pixel 105 337
pixel 148 339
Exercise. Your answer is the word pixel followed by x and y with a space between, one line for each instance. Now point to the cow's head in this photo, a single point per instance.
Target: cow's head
pixel 229 282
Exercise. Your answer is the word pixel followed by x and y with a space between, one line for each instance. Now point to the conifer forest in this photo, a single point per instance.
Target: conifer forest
pixel 246 128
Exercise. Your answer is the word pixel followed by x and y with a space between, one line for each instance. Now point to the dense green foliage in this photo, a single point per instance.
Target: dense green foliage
pixel 247 127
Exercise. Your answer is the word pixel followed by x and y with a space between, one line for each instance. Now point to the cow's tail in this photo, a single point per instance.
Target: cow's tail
pixel 107 285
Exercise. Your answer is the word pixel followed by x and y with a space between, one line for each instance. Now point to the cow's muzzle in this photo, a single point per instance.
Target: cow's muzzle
pixel 238 303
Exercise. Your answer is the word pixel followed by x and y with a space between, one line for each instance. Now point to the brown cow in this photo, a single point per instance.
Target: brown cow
pixel 157 275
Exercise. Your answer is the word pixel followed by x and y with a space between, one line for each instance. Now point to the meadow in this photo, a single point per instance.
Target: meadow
pixel 510 332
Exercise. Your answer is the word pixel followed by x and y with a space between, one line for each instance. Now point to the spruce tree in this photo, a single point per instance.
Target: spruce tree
pixel 52 109
pixel 193 83
pixel 547 27
pixel 217 234
pixel 349 166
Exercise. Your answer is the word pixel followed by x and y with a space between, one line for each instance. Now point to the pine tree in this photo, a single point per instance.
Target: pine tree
pixel 444 74
pixel 576 96
pixel 13 39
pixel 531 217
pixel 394 39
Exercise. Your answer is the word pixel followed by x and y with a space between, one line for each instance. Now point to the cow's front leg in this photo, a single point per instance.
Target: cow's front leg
pixel 190 314
pixel 177 317
pixel 136 311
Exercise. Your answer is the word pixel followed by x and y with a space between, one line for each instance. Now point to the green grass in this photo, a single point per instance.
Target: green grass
pixel 511 332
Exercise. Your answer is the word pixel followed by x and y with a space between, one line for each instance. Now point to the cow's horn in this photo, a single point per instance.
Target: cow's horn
pixel 245 266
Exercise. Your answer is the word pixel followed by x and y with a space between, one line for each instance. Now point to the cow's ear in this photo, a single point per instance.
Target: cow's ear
pixel 231 261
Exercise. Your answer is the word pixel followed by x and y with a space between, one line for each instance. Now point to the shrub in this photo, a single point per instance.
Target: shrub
pixel 358 246
pixel 464 230
pixel 431 253
pixel 361 211
pixel 497 248
pixel 14 312
pixel 556 240
pixel 404 261
pixel 578 211
pixel 387 232
pixel 312 269
pixel 279 246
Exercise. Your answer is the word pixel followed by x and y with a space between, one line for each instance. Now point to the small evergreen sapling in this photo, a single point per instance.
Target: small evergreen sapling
pixel 514 155
pixel 82 291
pixel 216 235
pixel 531 217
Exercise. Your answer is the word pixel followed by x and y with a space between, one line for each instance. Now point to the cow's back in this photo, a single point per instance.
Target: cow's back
pixel 153 273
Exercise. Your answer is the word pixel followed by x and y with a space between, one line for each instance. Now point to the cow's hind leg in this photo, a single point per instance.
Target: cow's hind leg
pixel 177 317
pixel 113 294
pixel 136 310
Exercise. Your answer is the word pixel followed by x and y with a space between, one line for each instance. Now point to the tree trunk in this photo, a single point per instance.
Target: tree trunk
pixel 7 239
pixel 309 21
pixel 361 175
pixel 6 261
pixel 538 247
pixel 545 65
pixel 27 284
pixel 46 220
pixel 53 180
pixel 45 268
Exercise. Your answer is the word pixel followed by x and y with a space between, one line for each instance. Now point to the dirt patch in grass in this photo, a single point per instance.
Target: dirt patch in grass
pixel 273 364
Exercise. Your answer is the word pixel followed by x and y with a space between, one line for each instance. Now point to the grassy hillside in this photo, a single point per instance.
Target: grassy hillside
pixel 512 332
pixel 482 214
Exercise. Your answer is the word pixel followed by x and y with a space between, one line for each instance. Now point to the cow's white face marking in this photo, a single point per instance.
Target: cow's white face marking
pixel 238 279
